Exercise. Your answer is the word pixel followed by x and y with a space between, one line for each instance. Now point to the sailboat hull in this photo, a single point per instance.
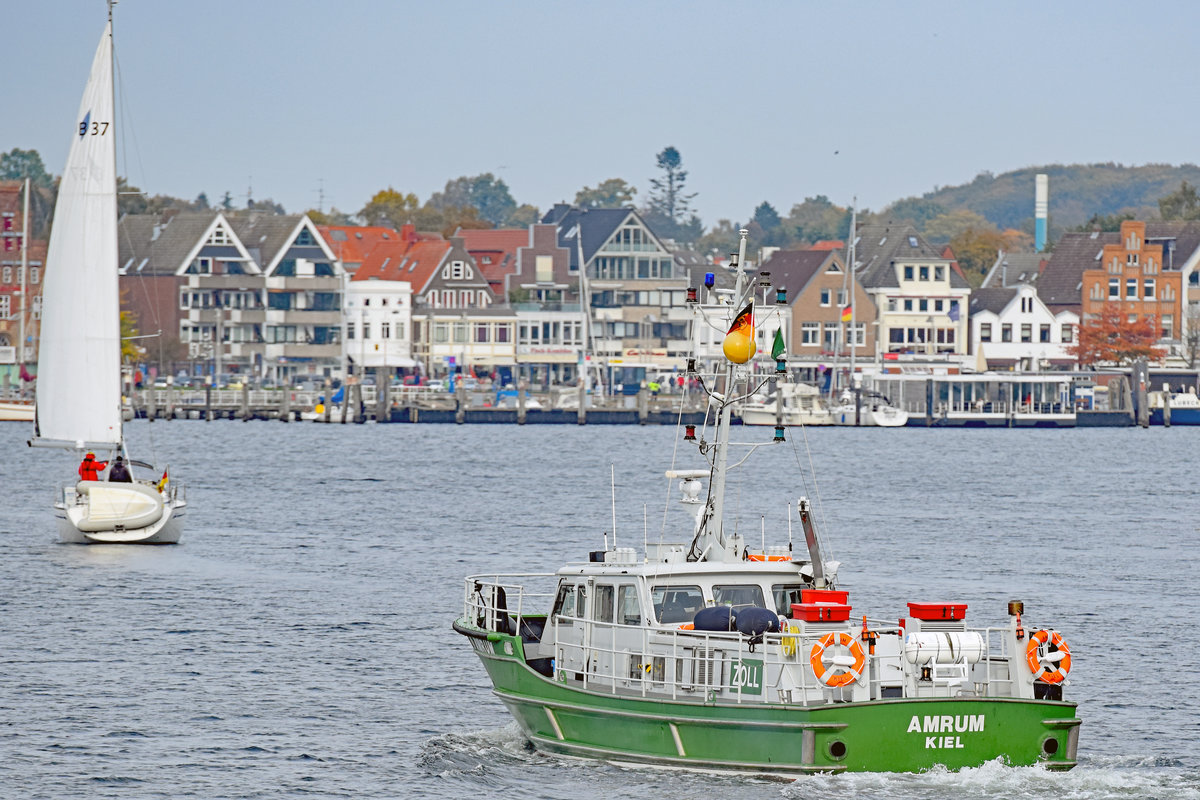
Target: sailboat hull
pixel 84 517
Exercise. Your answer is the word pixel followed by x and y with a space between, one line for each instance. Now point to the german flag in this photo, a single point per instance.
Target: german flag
pixel 743 323
pixel 847 314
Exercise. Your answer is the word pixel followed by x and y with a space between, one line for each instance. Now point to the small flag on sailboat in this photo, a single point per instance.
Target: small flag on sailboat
pixel 162 482
pixel 778 347
pixel 847 314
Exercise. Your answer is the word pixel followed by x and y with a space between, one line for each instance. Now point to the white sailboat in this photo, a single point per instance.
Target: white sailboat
pixel 78 404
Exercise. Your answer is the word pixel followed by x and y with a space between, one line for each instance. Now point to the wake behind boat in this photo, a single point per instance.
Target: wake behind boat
pixel 78 401
pixel 711 654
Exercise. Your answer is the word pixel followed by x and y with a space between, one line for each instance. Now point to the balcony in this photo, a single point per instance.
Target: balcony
pixel 209 282
pixel 299 350
pixel 275 316
pixel 306 284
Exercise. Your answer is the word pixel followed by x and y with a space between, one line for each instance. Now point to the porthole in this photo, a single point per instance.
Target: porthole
pixel 1050 745
pixel 837 750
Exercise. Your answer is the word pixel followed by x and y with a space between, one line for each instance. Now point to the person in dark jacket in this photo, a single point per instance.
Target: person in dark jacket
pixel 119 472
pixel 90 469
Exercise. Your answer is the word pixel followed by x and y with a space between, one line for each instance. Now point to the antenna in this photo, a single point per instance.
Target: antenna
pixel 613 467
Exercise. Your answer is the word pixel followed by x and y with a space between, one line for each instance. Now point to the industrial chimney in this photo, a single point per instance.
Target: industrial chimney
pixel 1041 202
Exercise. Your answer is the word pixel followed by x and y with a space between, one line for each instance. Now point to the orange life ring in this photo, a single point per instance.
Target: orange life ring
pixel 687 626
pixel 1033 657
pixel 831 676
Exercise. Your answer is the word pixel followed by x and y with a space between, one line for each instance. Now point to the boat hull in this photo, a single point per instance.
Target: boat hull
pixel 1179 416
pixel 16 412
pixel 166 528
pixel 898 735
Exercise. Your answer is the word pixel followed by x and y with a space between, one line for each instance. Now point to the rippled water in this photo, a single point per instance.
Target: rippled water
pixel 298 642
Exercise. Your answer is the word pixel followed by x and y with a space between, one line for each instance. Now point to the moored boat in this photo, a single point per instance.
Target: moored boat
pixel 870 409
pixel 791 405
pixel 711 654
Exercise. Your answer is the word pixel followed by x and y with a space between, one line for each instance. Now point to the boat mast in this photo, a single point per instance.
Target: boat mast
pixel 853 305
pixel 112 93
pixel 24 284
pixel 713 539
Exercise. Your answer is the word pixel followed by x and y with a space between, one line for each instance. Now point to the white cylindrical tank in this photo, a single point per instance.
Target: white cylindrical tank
pixel 947 647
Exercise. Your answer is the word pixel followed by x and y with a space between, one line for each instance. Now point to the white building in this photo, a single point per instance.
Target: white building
pixel 1013 329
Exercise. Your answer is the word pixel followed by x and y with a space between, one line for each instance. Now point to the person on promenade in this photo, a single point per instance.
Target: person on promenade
pixel 90 469
pixel 119 472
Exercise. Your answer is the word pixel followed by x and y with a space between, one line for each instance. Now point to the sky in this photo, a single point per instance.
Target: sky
pixel 322 104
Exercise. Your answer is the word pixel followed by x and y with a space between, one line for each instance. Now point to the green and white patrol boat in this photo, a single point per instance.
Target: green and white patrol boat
pixel 710 655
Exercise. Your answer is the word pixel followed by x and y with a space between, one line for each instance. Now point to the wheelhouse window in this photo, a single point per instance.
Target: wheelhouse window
pixel 629 609
pixel 676 603
pixel 739 595
pixel 784 595
pixel 604 603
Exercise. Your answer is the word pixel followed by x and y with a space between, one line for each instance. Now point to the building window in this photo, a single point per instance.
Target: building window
pixel 385 330
pixel 366 330
pixel 908 305
pixel 924 304
pixel 1026 332
pixel 503 332
pixel 460 332
pixel 1131 259
pixel 939 273
pixel 349 331
pixel 860 334
pixel 1006 332
pixel 1044 333
pixel 1097 291
pixel 908 273
pixel 810 333
pixel 841 299
pixel 985 332
pixel 1068 334
pixel 1114 288
pixel 826 295
pixel 892 304
pixel 35 274
pixel 1131 289
pixel 1148 288
pixel 924 273
pixel 481 332
pixel 1168 326
pixel 939 305
pixel 441 333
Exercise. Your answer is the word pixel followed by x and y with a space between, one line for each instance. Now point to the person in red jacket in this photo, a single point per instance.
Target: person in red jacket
pixel 90 469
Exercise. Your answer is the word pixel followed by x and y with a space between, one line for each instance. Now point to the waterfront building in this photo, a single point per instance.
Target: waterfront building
pixel 1146 268
pixel 920 295
pixel 12 223
pixel 246 293
pixel 819 294
pixel 1014 269
pixel 1012 329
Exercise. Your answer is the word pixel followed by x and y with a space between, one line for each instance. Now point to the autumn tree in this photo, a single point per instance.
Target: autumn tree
pixel 612 193
pixel 18 164
pixel 486 193
pixel 1181 204
pixel 1109 337
pixel 814 220
pixel 389 208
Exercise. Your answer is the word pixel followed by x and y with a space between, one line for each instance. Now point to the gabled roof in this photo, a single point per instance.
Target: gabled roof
pixel 793 269
pixel 1013 269
pixel 269 236
pixel 158 244
pixel 1061 281
pixel 879 246
pixel 501 243
pixel 589 228
pixel 414 262
pixel 995 299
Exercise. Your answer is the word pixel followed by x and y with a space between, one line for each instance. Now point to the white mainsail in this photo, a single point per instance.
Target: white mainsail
pixel 79 361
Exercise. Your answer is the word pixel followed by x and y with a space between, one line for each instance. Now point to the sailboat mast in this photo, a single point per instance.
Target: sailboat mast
pixel 24 284
pixel 853 305
pixel 112 94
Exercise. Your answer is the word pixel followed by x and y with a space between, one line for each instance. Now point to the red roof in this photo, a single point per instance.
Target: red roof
pixel 353 243
pixel 828 244
pixel 495 250
pixel 411 261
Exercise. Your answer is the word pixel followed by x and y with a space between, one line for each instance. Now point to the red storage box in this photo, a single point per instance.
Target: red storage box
pixel 937 611
pixel 823 596
pixel 821 612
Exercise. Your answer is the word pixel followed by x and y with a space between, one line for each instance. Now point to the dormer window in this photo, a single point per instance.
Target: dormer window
pixel 219 236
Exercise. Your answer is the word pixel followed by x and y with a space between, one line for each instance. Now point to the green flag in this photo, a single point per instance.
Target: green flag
pixel 777 348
